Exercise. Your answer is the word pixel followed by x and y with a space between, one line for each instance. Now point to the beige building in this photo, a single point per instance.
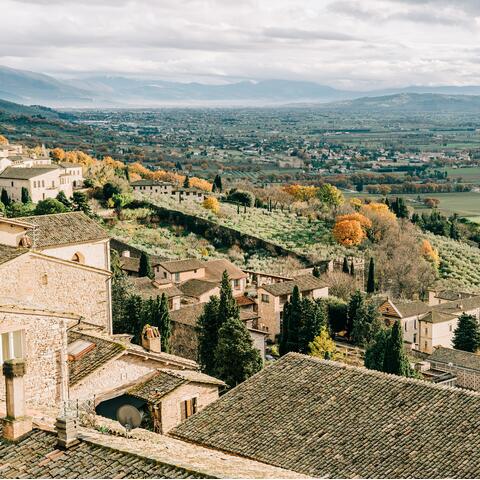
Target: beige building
pixel 154 188
pixel 41 182
pixel 428 326
pixel 272 298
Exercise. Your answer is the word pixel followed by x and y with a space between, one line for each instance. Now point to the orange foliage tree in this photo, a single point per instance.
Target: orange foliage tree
pixel 301 193
pixel 348 232
pixel 361 219
pixel 3 140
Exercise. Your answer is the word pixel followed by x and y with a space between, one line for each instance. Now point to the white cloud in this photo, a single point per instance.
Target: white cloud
pixel 345 43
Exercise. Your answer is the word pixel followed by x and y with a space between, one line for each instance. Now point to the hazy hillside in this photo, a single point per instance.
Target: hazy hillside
pixel 410 103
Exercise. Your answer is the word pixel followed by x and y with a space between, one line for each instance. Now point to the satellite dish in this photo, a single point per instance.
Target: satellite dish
pixel 129 416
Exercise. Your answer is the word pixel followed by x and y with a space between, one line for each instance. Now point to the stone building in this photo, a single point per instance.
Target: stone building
pixel 151 188
pixel 272 298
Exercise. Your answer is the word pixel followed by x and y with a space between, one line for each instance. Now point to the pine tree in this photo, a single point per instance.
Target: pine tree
pixel 5 198
pixel 371 277
pixel 145 269
pixel 355 303
pixel 62 198
pixel 396 360
pixel 164 323
pixel 217 182
pixel 345 268
pixel 26 195
pixel 236 358
pixel 467 334
pixel 207 329
pixel 186 182
pixel 80 203
pixel 366 324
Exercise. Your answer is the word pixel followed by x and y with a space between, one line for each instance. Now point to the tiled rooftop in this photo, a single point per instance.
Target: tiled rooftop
pixel 330 420
pixel 304 283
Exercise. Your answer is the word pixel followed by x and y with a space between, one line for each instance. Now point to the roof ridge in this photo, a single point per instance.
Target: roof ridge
pixel 376 373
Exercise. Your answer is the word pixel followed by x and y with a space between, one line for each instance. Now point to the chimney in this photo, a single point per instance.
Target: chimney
pixel 151 339
pixel 66 428
pixel 16 423
pixel 126 253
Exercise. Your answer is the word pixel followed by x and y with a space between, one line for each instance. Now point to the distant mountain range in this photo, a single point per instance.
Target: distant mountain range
pixel 107 91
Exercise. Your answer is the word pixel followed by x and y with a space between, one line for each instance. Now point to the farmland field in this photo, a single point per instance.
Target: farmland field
pixel 467 174
pixel 465 204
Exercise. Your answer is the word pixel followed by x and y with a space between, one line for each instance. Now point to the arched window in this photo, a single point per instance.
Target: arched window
pixel 78 257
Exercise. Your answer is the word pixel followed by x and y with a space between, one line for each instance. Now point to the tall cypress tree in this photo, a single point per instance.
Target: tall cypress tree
pixel 371 277
pixel 26 195
pixel 135 313
pixel 164 322
pixel 236 358
pixel 366 324
pixel 396 360
pixel 467 334
pixel 186 182
pixel 295 320
pixel 352 268
pixel 345 268
pixel 314 315
pixel 217 182
pixel 145 269
pixel 375 352
pixel 355 303
pixel 207 329
pixel 284 333
pixel 5 198
pixel 228 306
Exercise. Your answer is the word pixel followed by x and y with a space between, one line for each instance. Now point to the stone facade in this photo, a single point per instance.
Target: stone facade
pixel 44 339
pixel 47 283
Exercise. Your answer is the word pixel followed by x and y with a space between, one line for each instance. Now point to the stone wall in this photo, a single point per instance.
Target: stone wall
pixel 39 282
pixel 44 338
pixel 171 403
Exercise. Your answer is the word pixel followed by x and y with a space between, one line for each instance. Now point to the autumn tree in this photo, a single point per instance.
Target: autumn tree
pixel 330 196
pixel 3 140
pixel 212 204
pixel 322 346
pixel 348 233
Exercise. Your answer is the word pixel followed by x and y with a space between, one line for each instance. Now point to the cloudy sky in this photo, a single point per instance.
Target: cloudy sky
pixel 359 44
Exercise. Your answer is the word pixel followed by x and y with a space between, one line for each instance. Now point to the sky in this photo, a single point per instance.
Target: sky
pixel 352 44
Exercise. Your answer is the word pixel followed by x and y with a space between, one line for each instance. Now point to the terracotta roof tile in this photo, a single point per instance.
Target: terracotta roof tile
pixel 304 283
pixel 458 358
pixel 174 266
pixel 196 287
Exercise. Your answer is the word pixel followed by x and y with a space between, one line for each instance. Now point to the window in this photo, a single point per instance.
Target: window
pixel 415 324
pixel 426 345
pixel 450 327
pixel 34 184
pixel 177 277
pixel 236 284
pixel 43 183
pixel 11 345
pixel 414 338
pixel 78 257
pixel 13 184
pixel 406 326
pixel 265 298
pixel 188 408
pixel 426 330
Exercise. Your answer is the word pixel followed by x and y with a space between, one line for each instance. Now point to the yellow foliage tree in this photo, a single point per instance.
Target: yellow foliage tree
pixel 381 217
pixel 361 219
pixel 58 154
pixel 301 193
pixel 430 253
pixel 201 184
pixel 322 346
pixel 212 204
pixel 356 203
pixel 348 232
pixel 3 140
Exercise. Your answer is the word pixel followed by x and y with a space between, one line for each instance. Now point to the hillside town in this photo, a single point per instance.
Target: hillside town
pixel 118 362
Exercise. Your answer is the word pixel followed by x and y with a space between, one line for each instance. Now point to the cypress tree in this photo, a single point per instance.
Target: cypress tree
pixel 284 333
pixel 217 182
pixel 186 182
pixel 235 356
pixel 295 320
pixel 164 322
pixel 145 269
pixel 371 277
pixel 396 360
pixel 5 198
pixel 356 303
pixel 352 268
pixel 454 232
pixel 314 316
pixel 228 306
pixel 26 195
pixel 467 334
pixel 207 329
pixel 366 324
pixel 375 353
pixel 135 313
pixel 345 268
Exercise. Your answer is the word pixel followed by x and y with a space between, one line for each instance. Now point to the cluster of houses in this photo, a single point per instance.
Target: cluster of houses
pixel 169 190
pixel 37 175
pixel 63 371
